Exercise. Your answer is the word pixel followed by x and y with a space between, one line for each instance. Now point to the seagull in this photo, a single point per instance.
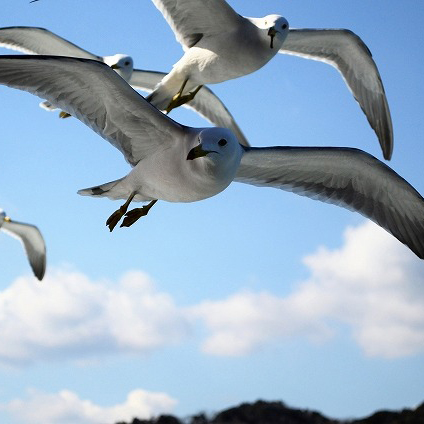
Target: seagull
pixel 32 240
pixel 219 45
pixel 34 40
pixel 176 163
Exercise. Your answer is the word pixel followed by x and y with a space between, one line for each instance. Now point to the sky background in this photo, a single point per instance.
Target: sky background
pixel 253 294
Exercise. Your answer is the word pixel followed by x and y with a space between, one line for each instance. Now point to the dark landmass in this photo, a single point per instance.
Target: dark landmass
pixel 262 412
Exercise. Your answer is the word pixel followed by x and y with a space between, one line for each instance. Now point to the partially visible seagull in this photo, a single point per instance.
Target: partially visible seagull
pixel 176 163
pixel 219 45
pixel 33 40
pixel 32 240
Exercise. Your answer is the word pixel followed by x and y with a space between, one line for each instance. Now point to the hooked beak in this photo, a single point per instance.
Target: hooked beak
pixel 271 33
pixel 197 152
pixel 115 66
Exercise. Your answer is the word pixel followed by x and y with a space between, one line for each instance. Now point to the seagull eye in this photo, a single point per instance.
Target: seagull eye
pixel 284 26
pixel 127 63
pixel 222 142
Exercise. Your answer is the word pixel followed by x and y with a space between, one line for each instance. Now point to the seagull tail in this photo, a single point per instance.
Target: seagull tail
pixel 47 106
pixel 113 190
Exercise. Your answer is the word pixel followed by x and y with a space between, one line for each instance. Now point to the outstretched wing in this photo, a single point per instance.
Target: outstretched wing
pixel 35 40
pixel 33 242
pixel 205 103
pixel 192 19
pixel 96 95
pixel 345 177
pixel 345 51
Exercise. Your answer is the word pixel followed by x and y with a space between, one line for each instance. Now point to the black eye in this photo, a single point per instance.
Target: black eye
pixel 222 142
pixel 127 63
pixel 284 26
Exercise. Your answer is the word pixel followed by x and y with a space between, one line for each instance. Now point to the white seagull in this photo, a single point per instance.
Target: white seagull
pixel 176 163
pixel 34 40
pixel 219 45
pixel 32 240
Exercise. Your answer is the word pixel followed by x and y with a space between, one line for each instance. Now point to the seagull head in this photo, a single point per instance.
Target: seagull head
pixel 215 142
pixel 216 154
pixel 122 64
pixel 277 28
pixel 2 216
pixel 218 146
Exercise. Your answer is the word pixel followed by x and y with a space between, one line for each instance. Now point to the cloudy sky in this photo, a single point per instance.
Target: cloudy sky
pixel 254 293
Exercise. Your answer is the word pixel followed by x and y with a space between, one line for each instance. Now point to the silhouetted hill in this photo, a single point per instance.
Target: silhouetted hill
pixel 262 412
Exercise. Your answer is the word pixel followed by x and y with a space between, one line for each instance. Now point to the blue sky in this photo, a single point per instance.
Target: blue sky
pixel 254 293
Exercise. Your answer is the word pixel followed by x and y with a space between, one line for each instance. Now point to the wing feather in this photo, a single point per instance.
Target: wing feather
pixel 35 40
pixel 205 103
pixel 346 177
pixel 345 51
pixel 96 95
pixel 33 243
pixel 190 20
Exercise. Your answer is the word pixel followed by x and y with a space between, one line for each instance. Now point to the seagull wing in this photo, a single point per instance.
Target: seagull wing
pixel 96 95
pixel 205 103
pixel 35 40
pixel 345 51
pixel 345 177
pixel 192 19
pixel 33 242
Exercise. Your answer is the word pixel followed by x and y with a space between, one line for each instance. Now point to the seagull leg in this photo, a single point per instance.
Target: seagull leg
pixel 134 214
pixel 174 102
pixel 189 96
pixel 179 99
pixel 118 214
pixel 64 115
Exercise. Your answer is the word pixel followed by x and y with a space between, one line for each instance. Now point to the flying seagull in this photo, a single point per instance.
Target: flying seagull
pixel 177 163
pixel 219 45
pixel 32 240
pixel 33 40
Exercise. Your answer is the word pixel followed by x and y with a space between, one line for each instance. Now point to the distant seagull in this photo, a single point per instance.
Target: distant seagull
pixel 31 238
pixel 220 44
pixel 176 163
pixel 35 40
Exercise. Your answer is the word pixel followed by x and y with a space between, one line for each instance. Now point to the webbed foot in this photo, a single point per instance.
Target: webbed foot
pixel 118 214
pixel 114 218
pixel 135 214
pixel 179 99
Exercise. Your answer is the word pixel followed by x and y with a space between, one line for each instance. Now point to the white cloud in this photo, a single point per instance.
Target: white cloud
pixel 69 316
pixel 246 320
pixel 66 407
pixel 373 284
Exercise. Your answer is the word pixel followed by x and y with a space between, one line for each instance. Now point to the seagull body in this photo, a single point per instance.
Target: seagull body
pixel 181 164
pixel 32 240
pixel 249 45
pixel 33 40
pixel 219 44
pixel 182 179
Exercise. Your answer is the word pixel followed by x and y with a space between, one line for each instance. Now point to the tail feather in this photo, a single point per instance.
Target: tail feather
pixel 113 190
pixel 47 106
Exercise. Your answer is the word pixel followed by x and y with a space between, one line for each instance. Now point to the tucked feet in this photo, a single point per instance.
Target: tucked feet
pixel 64 115
pixel 179 100
pixel 134 214
pixel 118 214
